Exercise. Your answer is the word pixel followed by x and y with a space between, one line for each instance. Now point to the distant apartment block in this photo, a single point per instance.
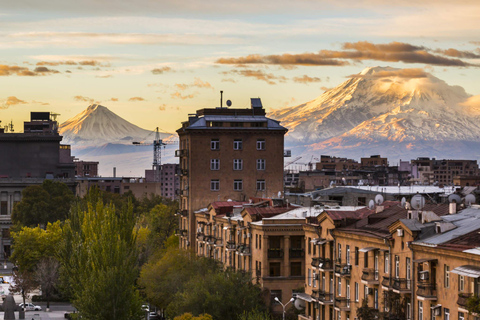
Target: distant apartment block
pixel 168 176
pixel 228 154
pixel 85 168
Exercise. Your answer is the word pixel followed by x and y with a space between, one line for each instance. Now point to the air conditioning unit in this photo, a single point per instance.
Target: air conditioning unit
pixel 400 232
pixel 423 275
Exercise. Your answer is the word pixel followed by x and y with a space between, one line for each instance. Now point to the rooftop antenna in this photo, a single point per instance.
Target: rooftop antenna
pixel 221 99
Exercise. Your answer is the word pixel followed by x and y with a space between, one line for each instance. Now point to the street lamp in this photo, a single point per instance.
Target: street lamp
pixel 284 305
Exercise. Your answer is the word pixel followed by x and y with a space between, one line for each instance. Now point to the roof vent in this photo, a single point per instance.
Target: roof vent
pixel 256 103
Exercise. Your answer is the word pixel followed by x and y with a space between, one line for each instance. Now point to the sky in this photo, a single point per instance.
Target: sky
pixel 153 62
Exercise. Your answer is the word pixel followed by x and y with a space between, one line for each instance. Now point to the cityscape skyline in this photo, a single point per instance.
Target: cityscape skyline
pixel 167 59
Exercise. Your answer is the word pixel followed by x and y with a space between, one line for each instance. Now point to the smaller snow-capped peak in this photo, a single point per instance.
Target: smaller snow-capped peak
pixel 98 125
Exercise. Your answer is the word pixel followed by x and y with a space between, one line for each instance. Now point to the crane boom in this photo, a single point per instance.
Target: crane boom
pixel 292 162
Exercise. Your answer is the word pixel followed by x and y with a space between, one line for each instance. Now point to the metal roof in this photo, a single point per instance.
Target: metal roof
pixel 468 271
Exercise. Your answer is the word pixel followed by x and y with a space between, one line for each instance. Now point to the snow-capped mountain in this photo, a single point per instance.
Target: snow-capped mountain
pixel 97 125
pixel 398 113
pixel 98 134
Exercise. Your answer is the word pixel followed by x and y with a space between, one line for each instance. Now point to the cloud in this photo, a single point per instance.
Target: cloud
pixel 458 54
pixel 325 88
pixel 306 79
pixel 11 101
pixel 178 95
pixel 359 51
pixel 269 78
pixel 229 80
pixel 93 63
pixel 409 73
pixel 105 76
pixel 163 107
pixel 197 84
pixel 162 70
pixel 83 99
pixel 472 105
pixel 41 103
pixel 6 70
pixel 136 99
pixel 114 99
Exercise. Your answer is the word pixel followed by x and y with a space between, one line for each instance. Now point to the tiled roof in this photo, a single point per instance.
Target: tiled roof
pixel 259 213
pixel 223 207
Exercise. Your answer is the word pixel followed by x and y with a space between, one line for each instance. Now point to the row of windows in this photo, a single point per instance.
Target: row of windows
pixel 237 185
pixel 237 144
pixel 237 164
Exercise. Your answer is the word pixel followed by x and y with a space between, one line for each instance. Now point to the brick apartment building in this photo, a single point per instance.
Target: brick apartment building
pixel 227 154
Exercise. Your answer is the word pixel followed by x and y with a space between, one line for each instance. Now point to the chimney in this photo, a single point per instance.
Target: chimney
pixel 114 172
pixel 452 208
pixel 379 209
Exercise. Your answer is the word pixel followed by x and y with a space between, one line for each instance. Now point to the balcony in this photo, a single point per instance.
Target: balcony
pixel 243 250
pixel 218 242
pixel 231 245
pixel 401 285
pixel 184 172
pixel 296 253
pixel 427 290
pixel 370 276
pixel 183 213
pixel 342 303
pixel 343 270
pixel 210 240
pixel 386 282
pixel 200 236
pixel 322 297
pixel 322 264
pixel 275 253
pixel 181 153
pixel 462 299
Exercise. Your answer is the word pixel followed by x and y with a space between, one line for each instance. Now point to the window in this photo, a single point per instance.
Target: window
pixel 214 164
pixel 260 164
pixel 214 185
pixel 365 260
pixel 365 291
pixel 357 292
pixel 447 275
pixel 339 256
pixel 356 256
pixel 296 269
pixel 274 269
pixel 275 294
pixel 347 255
pixel 260 185
pixel 339 287
pixel 309 277
pixel 215 144
pixel 237 185
pixel 461 316
pixel 237 164
pixel 446 315
pixel 386 262
pixel 420 310
pixel 309 245
pixel 461 283
pixel 237 144
pixel 409 311
pixel 397 266
pixel 260 144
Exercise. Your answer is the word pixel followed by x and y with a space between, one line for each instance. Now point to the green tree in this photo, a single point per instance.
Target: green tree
pixel 30 245
pixel 365 312
pixel 41 204
pixel 99 260
pixel 473 304
pixel 255 315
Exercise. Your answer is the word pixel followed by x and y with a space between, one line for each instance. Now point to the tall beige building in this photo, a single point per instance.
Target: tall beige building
pixel 227 154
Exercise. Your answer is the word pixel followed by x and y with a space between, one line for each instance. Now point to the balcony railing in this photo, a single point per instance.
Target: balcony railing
pixel 343 270
pixel 401 284
pixel 322 296
pixel 275 253
pixel 231 245
pixel 181 153
pixel 386 281
pixel 200 236
pixel 427 290
pixel 342 303
pixel 370 276
pixel 297 252
pixel 462 299
pixel 243 250
pixel 322 263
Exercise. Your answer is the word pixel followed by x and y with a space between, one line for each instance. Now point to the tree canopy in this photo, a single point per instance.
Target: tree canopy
pixel 99 260
pixel 48 202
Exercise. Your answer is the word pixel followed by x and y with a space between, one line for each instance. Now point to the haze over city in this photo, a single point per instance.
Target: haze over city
pixel 154 62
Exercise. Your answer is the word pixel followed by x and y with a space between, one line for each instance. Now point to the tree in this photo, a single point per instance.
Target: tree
pixel 99 260
pixel 255 315
pixel 24 283
pixel 365 312
pixel 47 276
pixel 41 204
pixel 30 245
pixel 189 316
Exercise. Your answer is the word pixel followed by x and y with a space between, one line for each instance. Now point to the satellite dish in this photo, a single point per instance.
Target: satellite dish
pixel 378 199
pixel 418 202
pixel 454 198
pixel 371 204
pixel 229 103
pixel 299 304
pixel 402 203
pixel 469 199
pixel 279 194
